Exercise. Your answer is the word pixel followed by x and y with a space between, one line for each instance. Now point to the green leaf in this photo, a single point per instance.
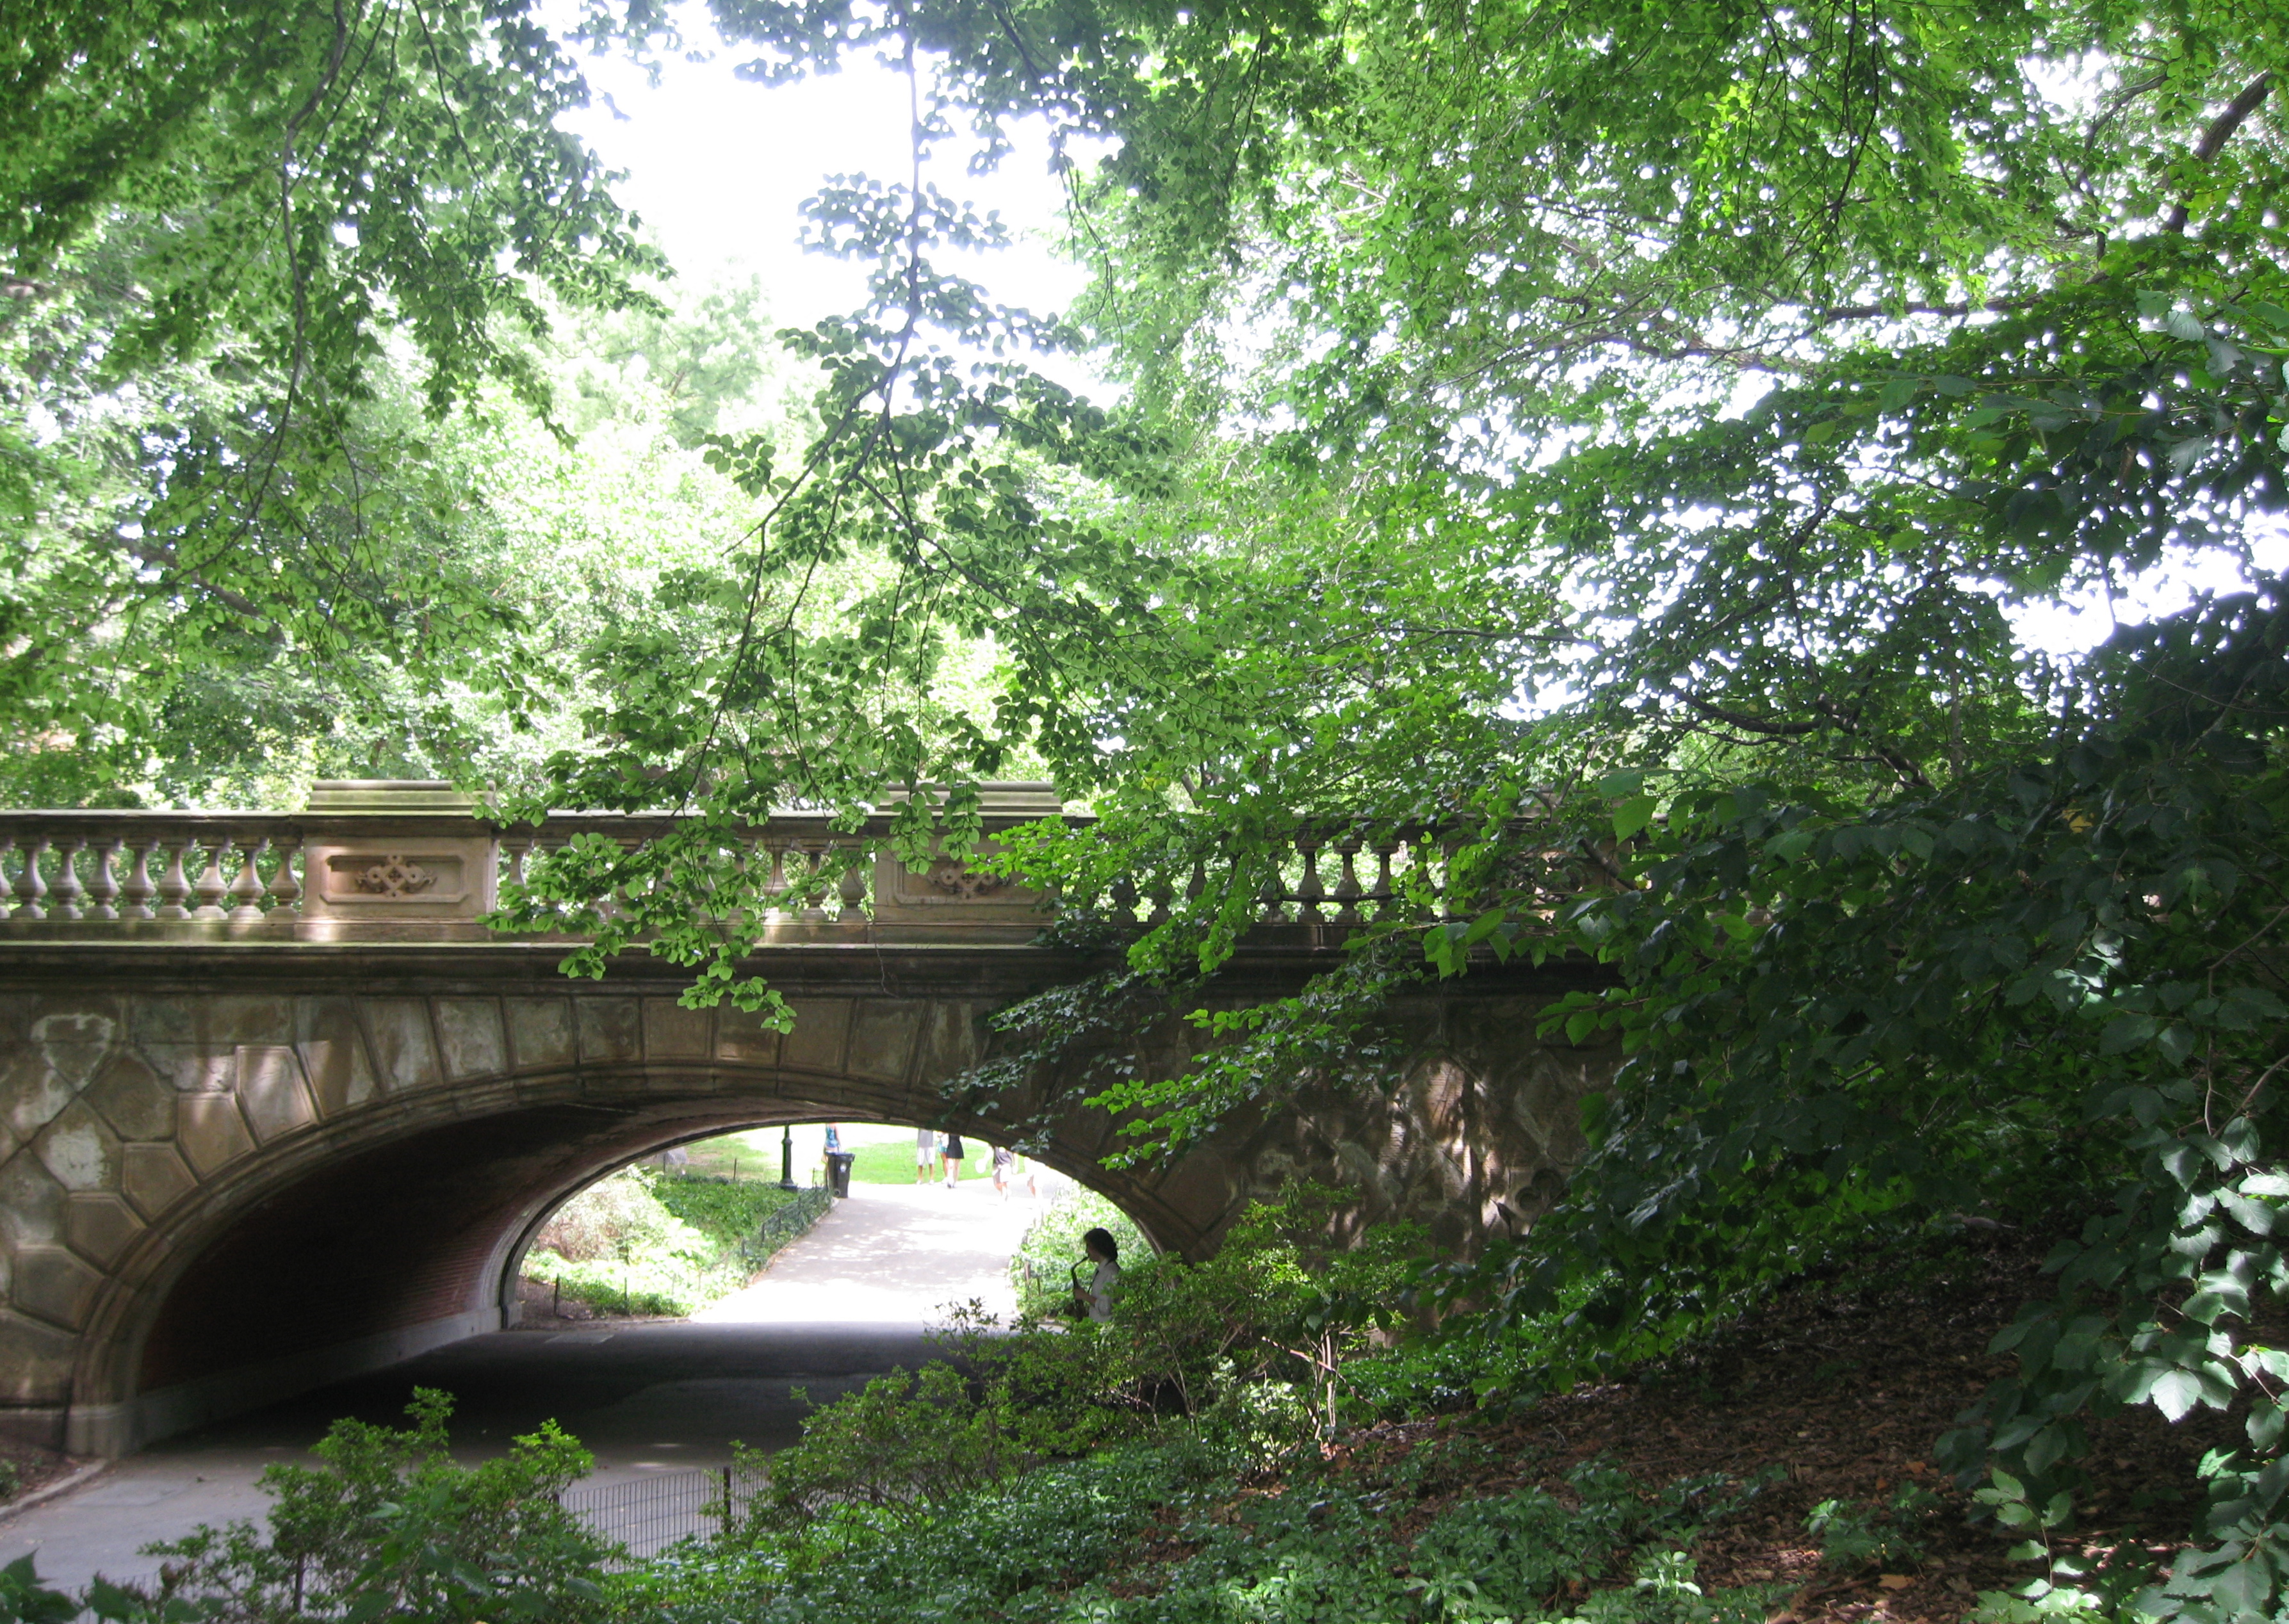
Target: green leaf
pixel 2174 1392
pixel 1633 816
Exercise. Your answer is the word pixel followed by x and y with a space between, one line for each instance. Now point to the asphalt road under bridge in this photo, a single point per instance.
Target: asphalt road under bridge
pixel 849 1302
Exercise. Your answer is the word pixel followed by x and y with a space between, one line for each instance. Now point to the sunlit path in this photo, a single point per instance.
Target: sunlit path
pixel 892 1254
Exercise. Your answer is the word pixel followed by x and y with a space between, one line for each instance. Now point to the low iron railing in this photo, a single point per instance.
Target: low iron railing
pixel 644 1515
pixel 785 1223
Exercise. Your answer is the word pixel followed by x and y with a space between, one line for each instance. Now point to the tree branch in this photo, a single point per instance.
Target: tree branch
pixel 2221 131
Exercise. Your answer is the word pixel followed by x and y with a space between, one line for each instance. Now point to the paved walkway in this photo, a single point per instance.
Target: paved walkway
pixel 892 1254
pixel 848 1300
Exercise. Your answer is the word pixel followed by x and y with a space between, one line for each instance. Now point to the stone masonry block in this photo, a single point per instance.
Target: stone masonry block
pixel 214 1020
pixel 540 1032
pixel 271 1090
pixel 672 1032
pixel 134 1099
pixel 73 1043
pixel 53 1285
pixel 189 1069
pixel 882 1036
pixel 31 1094
pixel 742 1038
pixel 609 1029
pixel 404 1057
pixel 211 1133
pixel 100 1227
pixel 65 1051
pixel 333 1054
pixel 155 1178
pixel 821 1025
pixel 949 1039
pixel 80 1151
pixel 31 1203
pixel 469 1032
pixel 35 1361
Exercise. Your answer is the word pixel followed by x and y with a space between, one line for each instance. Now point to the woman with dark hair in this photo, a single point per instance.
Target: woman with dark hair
pixel 1094 1296
pixel 952 1149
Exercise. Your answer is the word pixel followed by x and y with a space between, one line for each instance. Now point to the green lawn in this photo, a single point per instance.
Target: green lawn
pixel 886 1154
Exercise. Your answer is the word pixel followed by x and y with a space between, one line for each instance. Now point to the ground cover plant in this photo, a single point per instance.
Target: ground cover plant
pixel 643 1241
pixel 1189 1462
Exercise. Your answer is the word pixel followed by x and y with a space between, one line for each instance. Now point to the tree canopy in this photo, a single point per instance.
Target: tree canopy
pixel 1617 435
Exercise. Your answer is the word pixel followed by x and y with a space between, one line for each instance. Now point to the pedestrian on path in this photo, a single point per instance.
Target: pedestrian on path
pixel 954 1153
pixel 925 1155
pixel 1005 1161
pixel 1093 1297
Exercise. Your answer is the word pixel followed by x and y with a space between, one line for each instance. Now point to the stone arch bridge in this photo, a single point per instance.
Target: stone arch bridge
pixel 276 1107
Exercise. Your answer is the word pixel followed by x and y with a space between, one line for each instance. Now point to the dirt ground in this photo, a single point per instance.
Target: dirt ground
pixel 1842 1397
pixel 35 1469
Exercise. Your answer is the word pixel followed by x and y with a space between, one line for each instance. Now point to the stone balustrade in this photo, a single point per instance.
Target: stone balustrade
pixel 408 862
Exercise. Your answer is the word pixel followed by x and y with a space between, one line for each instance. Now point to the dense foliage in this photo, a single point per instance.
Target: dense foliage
pixel 1618 438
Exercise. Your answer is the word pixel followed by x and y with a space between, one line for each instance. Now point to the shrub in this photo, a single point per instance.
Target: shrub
pixel 392 1526
pixel 901 1445
pixel 642 1243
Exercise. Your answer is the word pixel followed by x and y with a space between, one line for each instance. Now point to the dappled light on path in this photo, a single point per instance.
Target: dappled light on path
pixel 890 1253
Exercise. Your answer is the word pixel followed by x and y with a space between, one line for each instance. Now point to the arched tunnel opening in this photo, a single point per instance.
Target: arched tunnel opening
pixel 379 1254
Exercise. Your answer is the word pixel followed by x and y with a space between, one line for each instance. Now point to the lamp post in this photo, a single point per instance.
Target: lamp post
pixel 786 1159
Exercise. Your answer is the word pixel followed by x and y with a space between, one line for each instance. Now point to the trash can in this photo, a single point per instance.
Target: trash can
pixel 838 1171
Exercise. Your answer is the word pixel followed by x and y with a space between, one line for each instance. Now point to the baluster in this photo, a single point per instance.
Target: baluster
pixel 853 892
pixel 814 898
pixel 1448 847
pixel 285 890
pixel 246 891
pixel 31 888
pixel 1272 897
pixel 141 890
pixel 1160 893
pixel 509 865
pixel 174 885
pixel 1347 885
pixel 774 885
pixel 211 889
pixel 1384 850
pixel 65 893
pixel 1308 889
pixel 1199 882
pixel 1124 900
pixel 103 885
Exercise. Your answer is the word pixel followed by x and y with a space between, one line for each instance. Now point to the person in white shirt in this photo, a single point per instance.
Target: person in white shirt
pixel 925 1155
pixel 1094 1296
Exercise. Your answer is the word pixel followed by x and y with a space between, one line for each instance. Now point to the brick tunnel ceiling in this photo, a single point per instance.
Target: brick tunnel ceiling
pixel 380 1241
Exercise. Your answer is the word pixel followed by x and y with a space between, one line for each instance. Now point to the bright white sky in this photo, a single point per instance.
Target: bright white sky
pixel 717 167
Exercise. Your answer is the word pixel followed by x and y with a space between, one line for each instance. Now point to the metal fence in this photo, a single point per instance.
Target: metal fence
pixel 644 1515
pixel 782 1224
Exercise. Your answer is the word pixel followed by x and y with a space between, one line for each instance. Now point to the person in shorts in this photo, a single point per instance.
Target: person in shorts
pixel 925 1155
pixel 1005 1162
